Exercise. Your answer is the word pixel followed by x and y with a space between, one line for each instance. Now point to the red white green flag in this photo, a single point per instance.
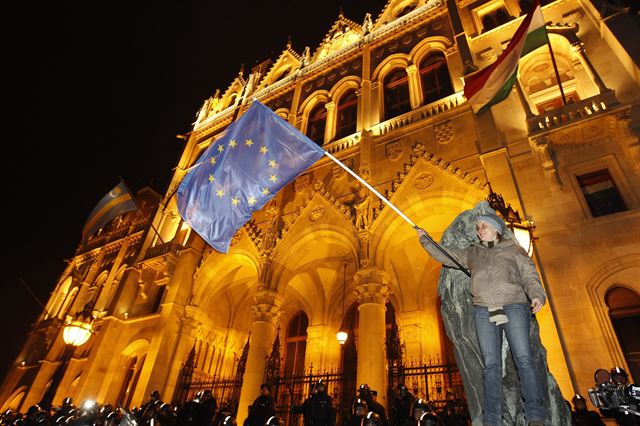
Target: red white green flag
pixel 493 84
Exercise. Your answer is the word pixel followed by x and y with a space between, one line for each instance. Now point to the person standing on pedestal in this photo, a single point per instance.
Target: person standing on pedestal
pixel 506 291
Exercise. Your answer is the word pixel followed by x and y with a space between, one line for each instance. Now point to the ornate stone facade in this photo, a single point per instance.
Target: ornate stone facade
pixel 416 140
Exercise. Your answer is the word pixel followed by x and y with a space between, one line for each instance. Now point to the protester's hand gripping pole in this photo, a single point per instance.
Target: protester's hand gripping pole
pixel 395 209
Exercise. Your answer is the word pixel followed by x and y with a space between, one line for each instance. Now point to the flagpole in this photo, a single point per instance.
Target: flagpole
pixel 402 215
pixel 138 206
pixel 555 68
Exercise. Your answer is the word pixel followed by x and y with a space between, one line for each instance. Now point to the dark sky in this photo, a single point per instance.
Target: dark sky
pixel 98 90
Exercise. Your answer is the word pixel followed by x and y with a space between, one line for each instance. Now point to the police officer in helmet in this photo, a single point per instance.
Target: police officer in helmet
pixel 581 416
pixel 359 411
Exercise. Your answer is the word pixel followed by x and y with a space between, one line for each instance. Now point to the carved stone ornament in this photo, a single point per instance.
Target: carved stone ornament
pixel 443 132
pixel 373 293
pixel 423 180
pixel 418 148
pixel 236 238
pixel 302 182
pixel 267 307
pixel 316 213
pixel 393 150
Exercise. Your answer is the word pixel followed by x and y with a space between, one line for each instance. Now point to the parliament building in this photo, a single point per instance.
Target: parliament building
pixel 561 155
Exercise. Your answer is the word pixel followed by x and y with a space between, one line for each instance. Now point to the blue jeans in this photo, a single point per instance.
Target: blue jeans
pixel 490 339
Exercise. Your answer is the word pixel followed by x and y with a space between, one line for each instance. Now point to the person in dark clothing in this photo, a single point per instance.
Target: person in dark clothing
pixel 359 411
pixel 402 405
pixel 210 405
pixel 320 408
pixel 305 407
pixel 620 378
pixel 191 413
pixel 378 408
pixel 262 408
pixel 581 416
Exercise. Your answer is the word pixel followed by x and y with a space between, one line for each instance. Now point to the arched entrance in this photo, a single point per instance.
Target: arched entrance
pixel 624 312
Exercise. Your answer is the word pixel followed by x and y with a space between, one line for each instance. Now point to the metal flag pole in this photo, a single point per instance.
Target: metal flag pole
pixel 395 209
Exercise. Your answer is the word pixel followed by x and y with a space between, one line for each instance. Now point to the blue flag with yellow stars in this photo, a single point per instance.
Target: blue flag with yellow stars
pixel 240 172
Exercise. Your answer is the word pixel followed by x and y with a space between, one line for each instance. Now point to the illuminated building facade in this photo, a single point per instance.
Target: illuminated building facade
pixel 384 96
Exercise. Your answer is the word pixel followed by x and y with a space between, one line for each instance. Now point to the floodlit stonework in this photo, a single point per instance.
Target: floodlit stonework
pixel 385 97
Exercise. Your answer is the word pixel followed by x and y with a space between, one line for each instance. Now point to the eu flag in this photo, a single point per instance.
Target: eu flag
pixel 240 172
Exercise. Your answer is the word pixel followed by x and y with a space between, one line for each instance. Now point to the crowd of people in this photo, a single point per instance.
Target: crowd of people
pixel 318 409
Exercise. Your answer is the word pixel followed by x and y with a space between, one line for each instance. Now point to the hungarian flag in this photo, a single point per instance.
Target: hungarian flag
pixel 493 83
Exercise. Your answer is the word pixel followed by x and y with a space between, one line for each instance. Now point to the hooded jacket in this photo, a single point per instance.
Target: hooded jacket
pixel 501 275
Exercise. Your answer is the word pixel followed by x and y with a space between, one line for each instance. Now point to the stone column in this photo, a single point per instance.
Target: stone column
pixel 415 94
pixel 330 127
pixel 317 338
pixel 589 68
pixel 373 292
pixel 266 311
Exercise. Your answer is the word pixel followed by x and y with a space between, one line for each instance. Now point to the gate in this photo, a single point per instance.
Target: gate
pixel 433 380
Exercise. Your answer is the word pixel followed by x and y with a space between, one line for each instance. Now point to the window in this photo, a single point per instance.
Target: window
pixel 347 115
pixel 296 345
pixel 624 312
pixel 600 193
pixel 396 94
pixel 436 83
pixel 317 123
pixel 495 18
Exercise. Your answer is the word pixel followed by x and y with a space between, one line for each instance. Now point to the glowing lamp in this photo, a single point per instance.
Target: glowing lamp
pixel 77 332
pixel 523 236
pixel 342 337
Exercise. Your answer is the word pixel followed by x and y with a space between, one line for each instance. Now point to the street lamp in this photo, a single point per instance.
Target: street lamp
pixel 75 333
pixel 522 230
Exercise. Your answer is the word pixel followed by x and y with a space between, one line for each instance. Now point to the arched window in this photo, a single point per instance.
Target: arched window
pixel 296 345
pixel 624 311
pixel 434 75
pixel 317 123
pixel 347 115
pixel 131 376
pixel 396 94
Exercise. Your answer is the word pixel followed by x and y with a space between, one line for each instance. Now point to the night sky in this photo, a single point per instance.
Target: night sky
pixel 99 90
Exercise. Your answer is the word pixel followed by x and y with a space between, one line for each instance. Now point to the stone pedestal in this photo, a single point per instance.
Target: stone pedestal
pixel 373 293
pixel 266 311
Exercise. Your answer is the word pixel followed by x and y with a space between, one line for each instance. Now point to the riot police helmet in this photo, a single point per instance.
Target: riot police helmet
pixel 67 402
pixel 619 376
pixel 372 419
pixel 359 408
pixel 274 421
pixel 228 421
pixel 321 385
pixel 155 395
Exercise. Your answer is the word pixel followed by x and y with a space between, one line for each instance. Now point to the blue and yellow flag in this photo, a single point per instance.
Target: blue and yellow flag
pixel 117 202
pixel 240 172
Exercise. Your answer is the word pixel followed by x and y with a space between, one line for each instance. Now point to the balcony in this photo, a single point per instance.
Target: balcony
pixel 162 257
pixel 572 113
pixel 424 112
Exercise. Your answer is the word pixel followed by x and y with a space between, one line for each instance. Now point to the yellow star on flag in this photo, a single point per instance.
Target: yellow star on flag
pixel 263 150
pixel 235 201
pixel 220 148
pixel 273 164
pixel 251 200
pixel 248 142
pixel 211 178
pixel 265 191
pixel 213 161
pixel 220 193
pixel 233 143
pixel 273 178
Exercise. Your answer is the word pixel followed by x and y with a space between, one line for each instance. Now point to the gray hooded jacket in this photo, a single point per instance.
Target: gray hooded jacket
pixel 500 276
